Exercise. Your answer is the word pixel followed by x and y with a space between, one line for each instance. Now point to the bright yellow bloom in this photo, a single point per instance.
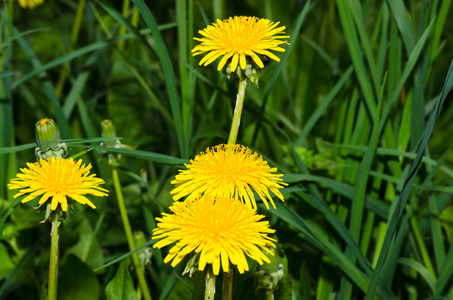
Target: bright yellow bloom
pixel 222 229
pixel 30 3
pixel 239 37
pixel 57 178
pixel 231 171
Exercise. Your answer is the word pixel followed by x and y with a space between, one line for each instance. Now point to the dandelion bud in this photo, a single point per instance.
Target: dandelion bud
pixel 108 130
pixel 269 274
pixel 48 140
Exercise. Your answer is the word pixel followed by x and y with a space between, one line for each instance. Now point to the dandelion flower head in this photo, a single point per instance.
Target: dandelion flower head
pixel 30 3
pixel 57 179
pixel 237 38
pixel 221 229
pixel 232 171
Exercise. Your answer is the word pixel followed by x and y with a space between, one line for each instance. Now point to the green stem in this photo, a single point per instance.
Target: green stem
pixel 209 292
pixel 227 289
pixel 237 112
pixel 129 236
pixel 269 295
pixel 54 252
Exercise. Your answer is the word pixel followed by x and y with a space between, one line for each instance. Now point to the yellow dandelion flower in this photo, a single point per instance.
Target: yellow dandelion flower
pixel 231 171
pixel 223 229
pixel 57 179
pixel 239 37
pixel 30 3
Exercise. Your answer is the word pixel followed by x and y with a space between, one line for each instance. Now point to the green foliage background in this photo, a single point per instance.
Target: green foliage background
pixel 356 115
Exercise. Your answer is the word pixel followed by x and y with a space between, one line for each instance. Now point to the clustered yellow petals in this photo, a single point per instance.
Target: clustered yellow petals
pixel 30 3
pixel 57 179
pixel 221 229
pixel 240 37
pixel 232 171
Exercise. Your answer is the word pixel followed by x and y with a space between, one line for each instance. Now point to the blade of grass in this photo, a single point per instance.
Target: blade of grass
pixel 7 213
pixel 445 273
pixel 297 27
pixel 399 12
pixel 375 205
pixel 356 56
pixel 49 89
pixel 169 75
pixel 328 248
pixel 321 108
pixel 400 204
pixel 151 156
pixel 421 270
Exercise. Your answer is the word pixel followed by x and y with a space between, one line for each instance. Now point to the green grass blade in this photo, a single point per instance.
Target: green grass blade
pixel 121 257
pixel 280 65
pixel 169 74
pixel 421 269
pixel 78 86
pixel 124 22
pixel 339 226
pixel 393 223
pixel 446 272
pixel 63 59
pixel 49 89
pixel 5 150
pixel 356 11
pixel 186 99
pixel 323 106
pixel 327 247
pixel 356 56
pixel 399 12
pixel 8 41
pixel 151 156
pixel 379 207
pixel 7 213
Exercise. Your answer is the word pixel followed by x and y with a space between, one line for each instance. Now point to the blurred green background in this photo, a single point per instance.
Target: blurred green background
pixel 357 95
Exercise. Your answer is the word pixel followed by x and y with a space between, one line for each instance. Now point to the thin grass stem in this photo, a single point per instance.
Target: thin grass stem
pixel 130 238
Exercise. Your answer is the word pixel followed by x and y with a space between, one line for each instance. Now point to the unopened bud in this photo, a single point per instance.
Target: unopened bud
pixel 48 140
pixel 269 275
pixel 108 130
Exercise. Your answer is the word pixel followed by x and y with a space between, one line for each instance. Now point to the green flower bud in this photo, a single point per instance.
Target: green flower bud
pixel 48 140
pixel 47 134
pixel 145 254
pixel 269 275
pixel 108 130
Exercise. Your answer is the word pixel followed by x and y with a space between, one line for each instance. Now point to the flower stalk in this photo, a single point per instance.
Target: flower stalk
pixel 209 292
pixel 227 288
pixel 130 238
pixel 237 112
pixel 54 254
